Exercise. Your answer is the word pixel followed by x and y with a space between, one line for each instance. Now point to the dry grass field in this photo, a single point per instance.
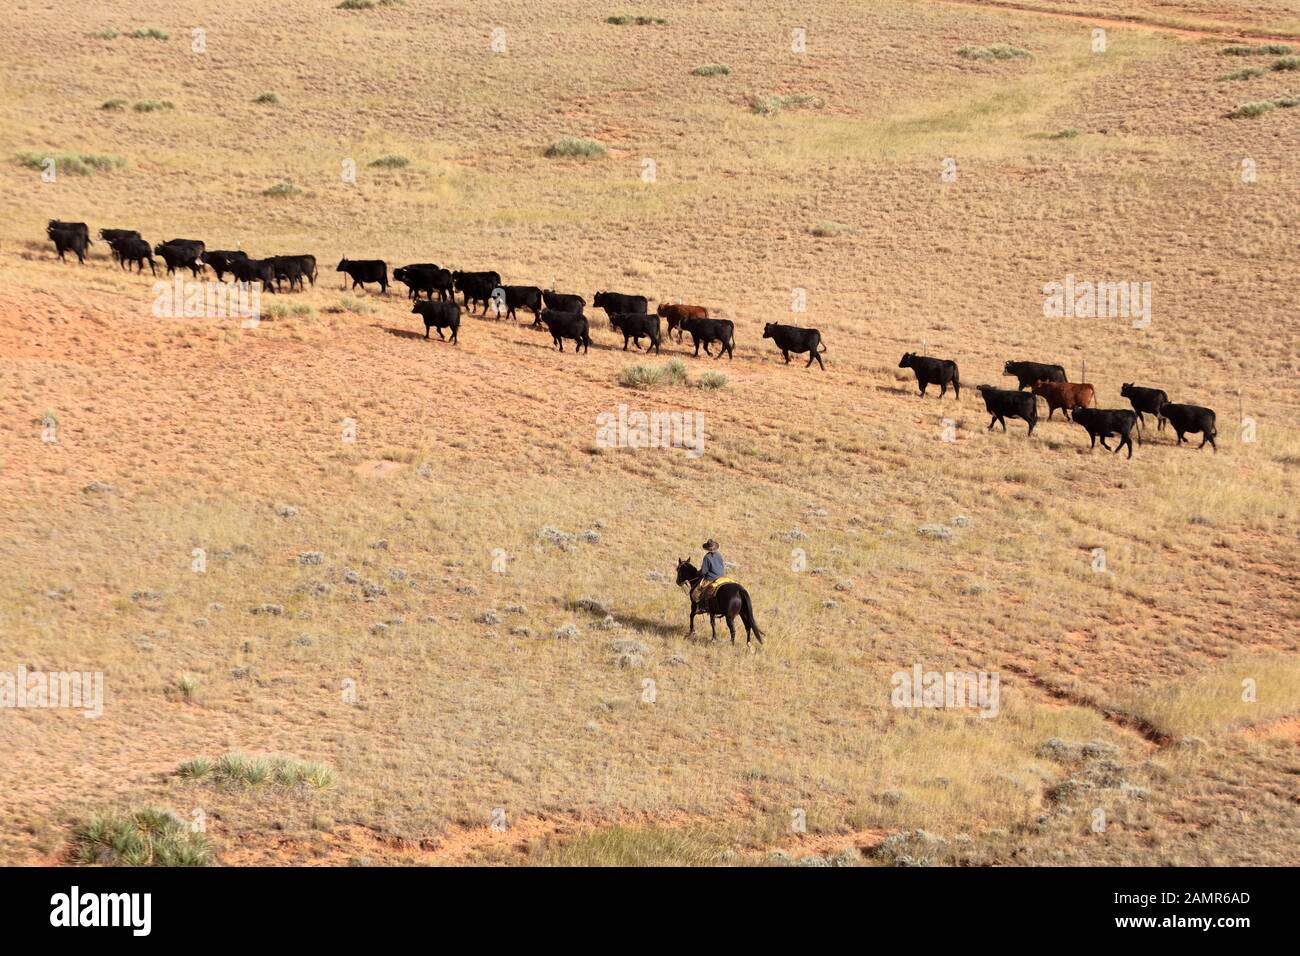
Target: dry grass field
pixel 466 615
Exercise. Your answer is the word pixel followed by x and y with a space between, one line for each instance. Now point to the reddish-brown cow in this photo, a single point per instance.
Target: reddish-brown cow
pixel 675 314
pixel 1065 395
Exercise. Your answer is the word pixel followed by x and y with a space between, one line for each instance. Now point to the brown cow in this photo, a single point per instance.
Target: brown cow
pixel 1065 395
pixel 676 314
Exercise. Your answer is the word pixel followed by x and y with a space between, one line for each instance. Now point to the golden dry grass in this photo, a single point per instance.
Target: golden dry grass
pixel 205 429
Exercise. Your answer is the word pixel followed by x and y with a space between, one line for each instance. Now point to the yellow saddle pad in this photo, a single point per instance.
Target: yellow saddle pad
pixel 707 588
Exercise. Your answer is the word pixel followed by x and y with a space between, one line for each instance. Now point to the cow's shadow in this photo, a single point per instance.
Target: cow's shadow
pixel 408 334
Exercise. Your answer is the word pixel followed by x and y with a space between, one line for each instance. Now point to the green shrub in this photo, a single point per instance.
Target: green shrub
pixel 769 104
pixel 282 191
pixel 1249 73
pixel 1251 110
pixel 153 106
pixel 108 33
pixel 268 98
pixel 148 33
pixel 357 5
pixel 235 769
pixel 829 230
pixel 145 837
pixel 712 69
pixel 187 686
pixel 1068 133
pixel 392 161
pixel 648 376
pixel 570 147
pixel 1271 49
pixel 713 380
pixel 75 164
pixel 988 54
pixel 1286 64
pixel 626 19
pixel 114 105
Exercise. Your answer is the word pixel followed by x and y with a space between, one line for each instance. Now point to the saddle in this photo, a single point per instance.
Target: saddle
pixel 705 590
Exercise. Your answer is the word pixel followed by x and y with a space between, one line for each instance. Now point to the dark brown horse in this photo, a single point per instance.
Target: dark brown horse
pixel 727 601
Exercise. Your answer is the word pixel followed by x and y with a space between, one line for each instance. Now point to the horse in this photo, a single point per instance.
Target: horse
pixel 728 600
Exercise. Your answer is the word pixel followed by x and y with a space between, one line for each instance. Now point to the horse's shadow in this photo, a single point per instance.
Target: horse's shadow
pixel 658 628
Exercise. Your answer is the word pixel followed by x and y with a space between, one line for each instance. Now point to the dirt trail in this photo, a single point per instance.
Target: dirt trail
pixel 1129 21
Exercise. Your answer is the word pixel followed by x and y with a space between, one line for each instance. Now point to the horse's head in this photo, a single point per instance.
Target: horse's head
pixel 686 572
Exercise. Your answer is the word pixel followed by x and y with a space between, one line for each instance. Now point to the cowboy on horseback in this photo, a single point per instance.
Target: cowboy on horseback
pixel 711 569
pixel 716 595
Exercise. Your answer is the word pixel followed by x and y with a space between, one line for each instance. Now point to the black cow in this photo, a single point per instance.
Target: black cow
pixel 1027 373
pixel 475 287
pixel 248 270
pixel 182 256
pixel 521 297
pixel 361 271
pixel 418 277
pixel 109 235
pixel 1104 422
pixel 1191 418
pixel 1146 400
pixel 633 325
pixel 61 226
pixel 792 338
pixel 69 237
pixel 220 260
pixel 287 267
pixel 439 315
pixel 128 249
pixel 933 371
pixel 1004 403
pixel 705 331
pixel 562 301
pixel 308 264
pixel 567 325
pixel 615 302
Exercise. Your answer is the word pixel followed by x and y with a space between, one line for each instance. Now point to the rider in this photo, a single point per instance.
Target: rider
pixel 710 569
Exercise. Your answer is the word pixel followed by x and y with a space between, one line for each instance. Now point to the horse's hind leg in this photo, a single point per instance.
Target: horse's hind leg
pixel 713 624
pixel 731 626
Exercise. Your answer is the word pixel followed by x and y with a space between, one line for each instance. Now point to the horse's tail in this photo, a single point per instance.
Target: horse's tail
pixel 747 615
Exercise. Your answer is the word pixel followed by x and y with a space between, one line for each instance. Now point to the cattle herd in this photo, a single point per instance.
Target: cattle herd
pixel 562 314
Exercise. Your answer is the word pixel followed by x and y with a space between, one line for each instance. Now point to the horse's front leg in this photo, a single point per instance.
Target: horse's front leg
pixel 693 613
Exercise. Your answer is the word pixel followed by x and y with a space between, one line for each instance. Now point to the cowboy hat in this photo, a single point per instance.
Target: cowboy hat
pixel 710 545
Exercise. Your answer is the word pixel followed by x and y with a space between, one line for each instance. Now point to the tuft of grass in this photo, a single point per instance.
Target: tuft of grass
pixel 1248 73
pixel 829 230
pixel 369 4
pixel 711 381
pixel 712 69
pixel 648 376
pixel 235 769
pixel 76 164
pixel 627 19
pixel 633 846
pixel 270 98
pixel 114 105
pixel 108 33
pixel 1286 64
pixel 572 147
pixel 1068 133
pixel 153 106
pixel 148 836
pixel 148 33
pixel 1251 110
pixel 1270 49
pixel 187 685
pixel 990 54
pixel 196 769
pixel 769 104
pixel 282 190
pixel 391 161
